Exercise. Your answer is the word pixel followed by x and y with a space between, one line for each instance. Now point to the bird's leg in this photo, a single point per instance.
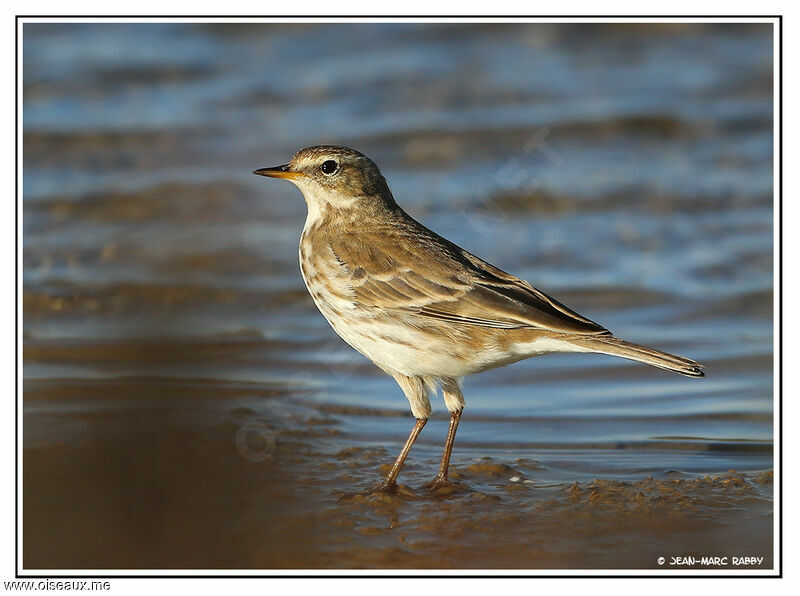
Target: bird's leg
pixel 441 477
pixel 391 480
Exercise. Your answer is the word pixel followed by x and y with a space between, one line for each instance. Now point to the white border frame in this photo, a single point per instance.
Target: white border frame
pixel 228 573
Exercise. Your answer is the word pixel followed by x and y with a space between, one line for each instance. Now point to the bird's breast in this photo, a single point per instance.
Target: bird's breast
pixel 326 280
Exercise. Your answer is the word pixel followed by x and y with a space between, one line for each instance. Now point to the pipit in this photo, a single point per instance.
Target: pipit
pixel 424 310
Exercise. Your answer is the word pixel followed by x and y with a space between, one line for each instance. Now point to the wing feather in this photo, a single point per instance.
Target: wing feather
pixel 420 273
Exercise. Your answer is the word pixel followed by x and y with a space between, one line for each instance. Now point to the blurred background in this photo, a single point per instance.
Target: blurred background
pixel 185 405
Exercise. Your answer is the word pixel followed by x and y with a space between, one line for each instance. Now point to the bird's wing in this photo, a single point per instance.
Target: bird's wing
pixel 426 275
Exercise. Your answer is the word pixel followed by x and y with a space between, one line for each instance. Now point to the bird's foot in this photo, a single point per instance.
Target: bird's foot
pixel 442 486
pixel 385 489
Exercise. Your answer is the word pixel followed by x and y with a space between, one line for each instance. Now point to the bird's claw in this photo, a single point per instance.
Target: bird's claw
pixel 388 489
pixel 438 483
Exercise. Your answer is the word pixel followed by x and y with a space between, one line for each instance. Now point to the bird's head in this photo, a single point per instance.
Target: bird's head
pixel 333 176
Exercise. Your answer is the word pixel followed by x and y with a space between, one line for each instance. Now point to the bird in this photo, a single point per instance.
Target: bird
pixel 421 308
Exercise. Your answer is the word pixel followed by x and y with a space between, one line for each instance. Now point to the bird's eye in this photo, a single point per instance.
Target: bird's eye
pixel 329 167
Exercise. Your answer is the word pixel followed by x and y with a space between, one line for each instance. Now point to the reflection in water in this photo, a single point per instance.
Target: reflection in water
pixel 626 170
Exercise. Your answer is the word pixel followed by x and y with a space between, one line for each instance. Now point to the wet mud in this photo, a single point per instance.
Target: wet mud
pixel 165 474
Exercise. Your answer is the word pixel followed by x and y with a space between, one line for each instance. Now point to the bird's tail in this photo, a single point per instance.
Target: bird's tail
pixel 623 349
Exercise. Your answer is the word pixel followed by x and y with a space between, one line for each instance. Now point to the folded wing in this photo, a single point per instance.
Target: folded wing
pixel 423 274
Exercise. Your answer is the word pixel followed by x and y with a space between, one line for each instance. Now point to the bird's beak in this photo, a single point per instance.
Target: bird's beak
pixel 279 172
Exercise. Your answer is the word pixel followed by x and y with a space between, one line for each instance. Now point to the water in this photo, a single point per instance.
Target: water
pixel 624 169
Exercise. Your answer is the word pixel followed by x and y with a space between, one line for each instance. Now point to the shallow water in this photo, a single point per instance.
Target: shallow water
pixel 183 388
